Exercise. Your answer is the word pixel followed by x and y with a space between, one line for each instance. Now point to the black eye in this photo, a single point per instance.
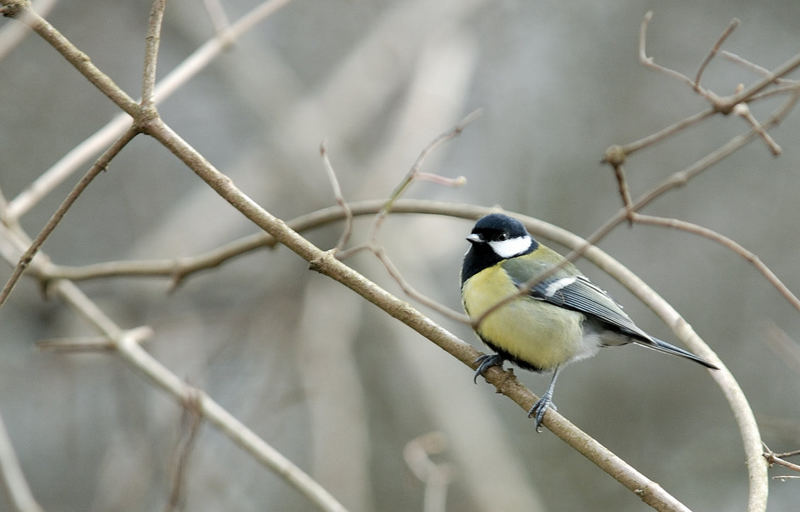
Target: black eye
pixel 502 236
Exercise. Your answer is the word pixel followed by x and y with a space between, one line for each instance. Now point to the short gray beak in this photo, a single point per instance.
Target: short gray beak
pixel 475 238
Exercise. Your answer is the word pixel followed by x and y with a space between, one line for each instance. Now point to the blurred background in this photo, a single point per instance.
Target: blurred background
pixel 330 381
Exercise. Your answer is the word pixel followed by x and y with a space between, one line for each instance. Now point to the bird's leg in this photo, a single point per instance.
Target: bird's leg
pixel 544 402
pixel 484 362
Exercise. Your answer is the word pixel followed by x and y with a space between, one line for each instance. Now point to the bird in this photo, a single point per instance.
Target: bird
pixel 562 318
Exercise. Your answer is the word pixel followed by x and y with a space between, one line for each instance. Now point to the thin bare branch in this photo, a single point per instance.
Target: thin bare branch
pixel 417 166
pixel 622 186
pixel 751 257
pixel 648 61
pixel 779 72
pixel 666 132
pixel 337 192
pixel 458 181
pixel 192 417
pixel 99 166
pixel 93 343
pixel 409 290
pixel 754 67
pixel 791 453
pixel 152 41
pixel 714 50
pixel 778 458
pixel 436 477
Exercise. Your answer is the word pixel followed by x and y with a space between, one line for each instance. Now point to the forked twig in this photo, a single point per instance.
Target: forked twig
pixel 773 458
pixel 186 70
pixel 414 172
pixel 372 245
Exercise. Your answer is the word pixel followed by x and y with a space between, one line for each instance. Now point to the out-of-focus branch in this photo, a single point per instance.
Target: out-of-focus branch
pixel 192 419
pixel 93 343
pixel 436 477
pixel 17 490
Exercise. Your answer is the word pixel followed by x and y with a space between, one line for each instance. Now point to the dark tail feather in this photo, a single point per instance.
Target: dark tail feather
pixel 666 348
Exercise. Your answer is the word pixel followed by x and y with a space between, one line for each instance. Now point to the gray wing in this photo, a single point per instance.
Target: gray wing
pixel 575 291
pixel 580 294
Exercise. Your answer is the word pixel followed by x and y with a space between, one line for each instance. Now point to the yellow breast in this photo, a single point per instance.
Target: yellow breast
pixel 535 332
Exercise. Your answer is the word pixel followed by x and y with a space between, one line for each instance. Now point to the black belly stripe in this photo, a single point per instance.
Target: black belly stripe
pixel 510 357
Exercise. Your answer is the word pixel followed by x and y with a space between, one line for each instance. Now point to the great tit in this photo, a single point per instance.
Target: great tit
pixel 563 318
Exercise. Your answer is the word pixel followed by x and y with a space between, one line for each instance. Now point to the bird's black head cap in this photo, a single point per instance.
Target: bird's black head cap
pixel 494 238
pixel 498 227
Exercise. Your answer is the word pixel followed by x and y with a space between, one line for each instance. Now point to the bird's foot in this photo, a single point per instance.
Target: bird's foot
pixel 486 361
pixel 539 408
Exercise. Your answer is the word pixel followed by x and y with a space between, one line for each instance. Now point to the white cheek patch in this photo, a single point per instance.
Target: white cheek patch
pixel 511 247
pixel 558 284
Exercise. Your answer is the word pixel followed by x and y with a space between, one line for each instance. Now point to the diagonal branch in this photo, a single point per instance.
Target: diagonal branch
pixel 99 166
pixel 74 56
pixel 723 240
pixel 714 50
